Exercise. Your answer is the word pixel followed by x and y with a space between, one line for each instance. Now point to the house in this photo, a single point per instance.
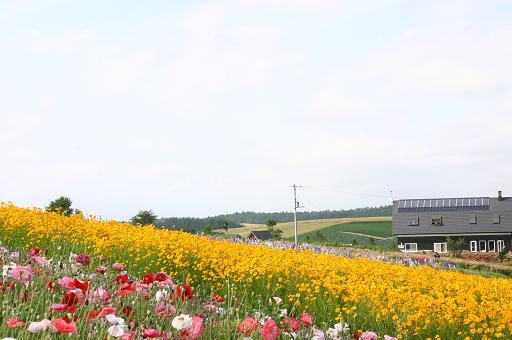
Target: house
pixel 262 235
pixel 485 223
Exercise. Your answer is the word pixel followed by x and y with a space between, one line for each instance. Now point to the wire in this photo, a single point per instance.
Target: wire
pixel 345 192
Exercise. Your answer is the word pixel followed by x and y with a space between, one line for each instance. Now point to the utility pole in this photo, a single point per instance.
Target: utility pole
pixel 295 206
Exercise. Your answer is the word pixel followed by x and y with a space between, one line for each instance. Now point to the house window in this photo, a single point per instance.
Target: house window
pixel 491 245
pixel 440 247
pixel 496 220
pixel 482 246
pixel 472 220
pixel 501 245
pixel 413 222
pixel 473 246
pixel 437 221
pixel 411 247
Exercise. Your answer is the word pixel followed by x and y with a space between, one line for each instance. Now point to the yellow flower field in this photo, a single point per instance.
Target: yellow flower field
pixel 411 302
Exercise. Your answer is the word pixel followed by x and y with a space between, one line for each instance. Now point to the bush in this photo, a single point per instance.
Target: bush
pixel 502 254
pixel 455 247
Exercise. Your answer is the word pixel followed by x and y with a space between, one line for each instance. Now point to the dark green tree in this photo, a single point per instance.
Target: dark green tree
pixel 61 205
pixel 225 226
pixel 144 217
pixel 271 223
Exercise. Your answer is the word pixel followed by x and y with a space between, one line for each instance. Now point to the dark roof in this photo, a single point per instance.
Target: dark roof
pixel 262 235
pixel 230 235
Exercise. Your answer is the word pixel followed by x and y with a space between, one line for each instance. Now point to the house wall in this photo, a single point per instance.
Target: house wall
pixel 455 221
pixel 427 242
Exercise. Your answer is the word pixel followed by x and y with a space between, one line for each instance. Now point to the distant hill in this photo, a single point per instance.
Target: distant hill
pixel 235 220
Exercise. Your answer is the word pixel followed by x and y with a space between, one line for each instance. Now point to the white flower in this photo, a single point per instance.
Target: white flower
pixel 283 313
pixel 258 315
pixel 7 270
pixel 278 300
pixel 72 257
pixel 162 294
pixel 118 327
pixel 182 322
pixel 36 327
pixel 343 328
pixel 220 310
pixel 318 334
pixel 332 333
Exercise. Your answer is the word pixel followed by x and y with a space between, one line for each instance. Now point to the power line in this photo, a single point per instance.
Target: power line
pixel 345 192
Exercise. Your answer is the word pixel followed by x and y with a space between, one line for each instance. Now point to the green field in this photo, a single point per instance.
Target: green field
pixel 308 225
pixel 379 231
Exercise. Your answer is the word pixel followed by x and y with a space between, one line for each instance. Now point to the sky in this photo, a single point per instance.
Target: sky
pixel 197 108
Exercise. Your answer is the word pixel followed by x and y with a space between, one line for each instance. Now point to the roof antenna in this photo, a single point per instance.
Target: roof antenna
pixel 391 195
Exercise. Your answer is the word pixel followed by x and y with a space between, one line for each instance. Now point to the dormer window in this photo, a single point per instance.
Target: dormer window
pixel 472 220
pixel 413 222
pixel 437 221
pixel 496 220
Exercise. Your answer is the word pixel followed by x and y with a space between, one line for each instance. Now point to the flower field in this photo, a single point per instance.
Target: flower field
pixel 96 279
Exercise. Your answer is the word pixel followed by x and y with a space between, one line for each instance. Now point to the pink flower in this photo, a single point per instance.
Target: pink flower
pixel 83 259
pixel 195 331
pixel 387 337
pixel 66 283
pixel 128 336
pixel 306 319
pixel 209 308
pixel 151 333
pixel 368 336
pixel 118 266
pixel 101 269
pixel 14 323
pixel 164 310
pixel 247 326
pixel 318 334
pixel 23 274
pixel 59 307
pixel 270 330
pixel 39 260
pixel 99 295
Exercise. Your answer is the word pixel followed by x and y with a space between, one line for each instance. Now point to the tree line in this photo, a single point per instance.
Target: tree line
pixel 227 221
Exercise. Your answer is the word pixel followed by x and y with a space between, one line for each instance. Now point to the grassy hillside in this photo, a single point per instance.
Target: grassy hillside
pixel 306 226
pixel 379 231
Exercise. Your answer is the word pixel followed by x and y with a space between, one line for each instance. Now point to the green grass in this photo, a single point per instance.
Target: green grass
pixel 338 232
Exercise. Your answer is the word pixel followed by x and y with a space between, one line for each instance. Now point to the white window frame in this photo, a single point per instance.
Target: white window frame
pixel 410 245
pixel 438 247
pixel 473 246
pixel 484 242
pixel 493 248
pixel 500 245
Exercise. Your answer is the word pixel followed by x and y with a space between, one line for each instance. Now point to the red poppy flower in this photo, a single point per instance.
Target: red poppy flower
pixel 83 259
pixel 125 289
pixel 148 278
pixel 123 278
pixel 70 299
pixel 93 314
pixel 184 291
pixel 292 325
pixel 108 310
pixel 128 311
pixel 6 285
pixel 64 327
pixel 68 319
pixel 50 285
pixel 160 276
pixel 101 269
pixel 217 298
pixel 14 323
pixel 247 326
pixel 83 286
pixel 34 252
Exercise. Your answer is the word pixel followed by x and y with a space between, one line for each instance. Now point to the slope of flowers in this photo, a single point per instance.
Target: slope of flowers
pixel 366 294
